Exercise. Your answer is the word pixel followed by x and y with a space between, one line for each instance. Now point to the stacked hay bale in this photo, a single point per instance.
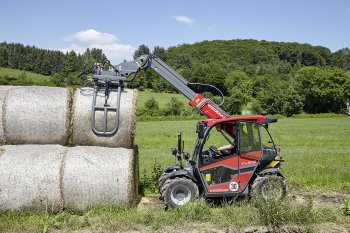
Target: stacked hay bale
pixel 82 133
pixel 42 165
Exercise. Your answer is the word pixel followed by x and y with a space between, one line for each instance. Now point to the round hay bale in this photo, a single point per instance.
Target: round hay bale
pixel 52 177
pixel 37 115
pixel 4 90
pixel 30 177
pixel 82 133
pixel 98 175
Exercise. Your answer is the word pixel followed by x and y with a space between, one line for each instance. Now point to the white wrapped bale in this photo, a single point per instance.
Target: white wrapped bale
pixel 53 177
pixel 30 177
pixel 4 90
pixel 37 115
pixel 82 133
pixel 96 175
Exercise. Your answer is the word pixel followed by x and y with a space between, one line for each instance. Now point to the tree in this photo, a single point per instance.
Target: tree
pixel 239 87
pixel 3 56
pixel 174 107
pixel 160 52
pixel 98 55
pixel 58 80
pixel 235 78
pixel 151 107
pixel 70 63
pixel 324 89
pixel 312 58
pixel 276 100
pixel 71 80
pixel 142 50
pixel 46 64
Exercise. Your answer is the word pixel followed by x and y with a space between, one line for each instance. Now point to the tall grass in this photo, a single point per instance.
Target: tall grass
pixel 199 215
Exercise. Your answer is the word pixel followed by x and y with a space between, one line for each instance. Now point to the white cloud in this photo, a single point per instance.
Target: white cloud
pixel 92 36
pixel 115 51
pixel 184 19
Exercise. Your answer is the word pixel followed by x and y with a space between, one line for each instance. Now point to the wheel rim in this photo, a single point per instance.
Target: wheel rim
pixel 271 190
pixel 180 195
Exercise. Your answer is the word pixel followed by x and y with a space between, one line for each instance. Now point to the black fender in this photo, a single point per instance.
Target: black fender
pixel 273 170
pixel 172 168
pixel 182 173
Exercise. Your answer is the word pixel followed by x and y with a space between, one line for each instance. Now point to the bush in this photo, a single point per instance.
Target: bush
pixel 152 107
pixel 325 89
pixel 174 107
pixel 149 183
pixel 280 101
pixel 22 80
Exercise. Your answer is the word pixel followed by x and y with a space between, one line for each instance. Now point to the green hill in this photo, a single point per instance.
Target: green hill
pixel 15 74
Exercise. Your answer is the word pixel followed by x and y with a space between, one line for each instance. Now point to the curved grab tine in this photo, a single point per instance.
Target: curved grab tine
pixel 105 109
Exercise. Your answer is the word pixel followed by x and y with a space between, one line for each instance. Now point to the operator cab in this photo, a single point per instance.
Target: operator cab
pixel 231 152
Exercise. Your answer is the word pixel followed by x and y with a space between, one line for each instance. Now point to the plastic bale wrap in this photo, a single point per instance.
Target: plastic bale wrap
pixel 30 177
pixel 97 176
pixel 37 115
pixel 82 133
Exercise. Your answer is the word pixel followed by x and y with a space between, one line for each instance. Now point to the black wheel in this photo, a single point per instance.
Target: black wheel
pixel 269 188
pixel 178 192
pixel 161 181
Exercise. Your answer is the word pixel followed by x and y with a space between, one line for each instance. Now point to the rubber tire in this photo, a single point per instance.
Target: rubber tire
pixel 161 181
pixel 169 186
pixel 259 183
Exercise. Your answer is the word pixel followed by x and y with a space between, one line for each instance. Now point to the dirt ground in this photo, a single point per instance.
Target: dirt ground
pixel 319 199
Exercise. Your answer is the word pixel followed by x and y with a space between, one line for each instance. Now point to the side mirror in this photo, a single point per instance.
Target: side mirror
pixel 186 155
pixel 200 130
pixel 174 151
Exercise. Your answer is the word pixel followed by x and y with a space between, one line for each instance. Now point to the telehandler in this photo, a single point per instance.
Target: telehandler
pixel 232 156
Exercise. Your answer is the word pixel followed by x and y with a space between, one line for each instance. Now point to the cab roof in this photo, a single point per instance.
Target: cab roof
pixel 260 119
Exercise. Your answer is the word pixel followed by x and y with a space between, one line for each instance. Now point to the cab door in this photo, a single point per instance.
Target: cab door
pixel 230 174
pixel 250 152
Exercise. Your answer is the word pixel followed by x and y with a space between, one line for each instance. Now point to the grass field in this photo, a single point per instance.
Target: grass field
pixel 317 154
pixel 37 78
pixel 317 151
pixel 162 98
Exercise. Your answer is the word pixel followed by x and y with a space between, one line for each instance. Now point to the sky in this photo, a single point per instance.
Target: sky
pixel 119 27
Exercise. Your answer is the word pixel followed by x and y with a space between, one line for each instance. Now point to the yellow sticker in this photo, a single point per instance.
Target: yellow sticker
pixel 208 177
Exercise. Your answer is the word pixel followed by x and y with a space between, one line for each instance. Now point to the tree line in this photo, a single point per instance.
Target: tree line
pixel 280 78
pixel 63 67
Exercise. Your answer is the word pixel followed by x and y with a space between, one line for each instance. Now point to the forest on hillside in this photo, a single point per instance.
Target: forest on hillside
pixel 280 78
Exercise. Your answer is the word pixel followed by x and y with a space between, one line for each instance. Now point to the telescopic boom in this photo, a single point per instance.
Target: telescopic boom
pixel 204 105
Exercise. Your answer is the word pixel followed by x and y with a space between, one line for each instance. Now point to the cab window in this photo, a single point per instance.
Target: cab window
pixel 249 137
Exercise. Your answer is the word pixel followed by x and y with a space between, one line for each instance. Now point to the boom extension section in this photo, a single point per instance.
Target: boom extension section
pixel 204 105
